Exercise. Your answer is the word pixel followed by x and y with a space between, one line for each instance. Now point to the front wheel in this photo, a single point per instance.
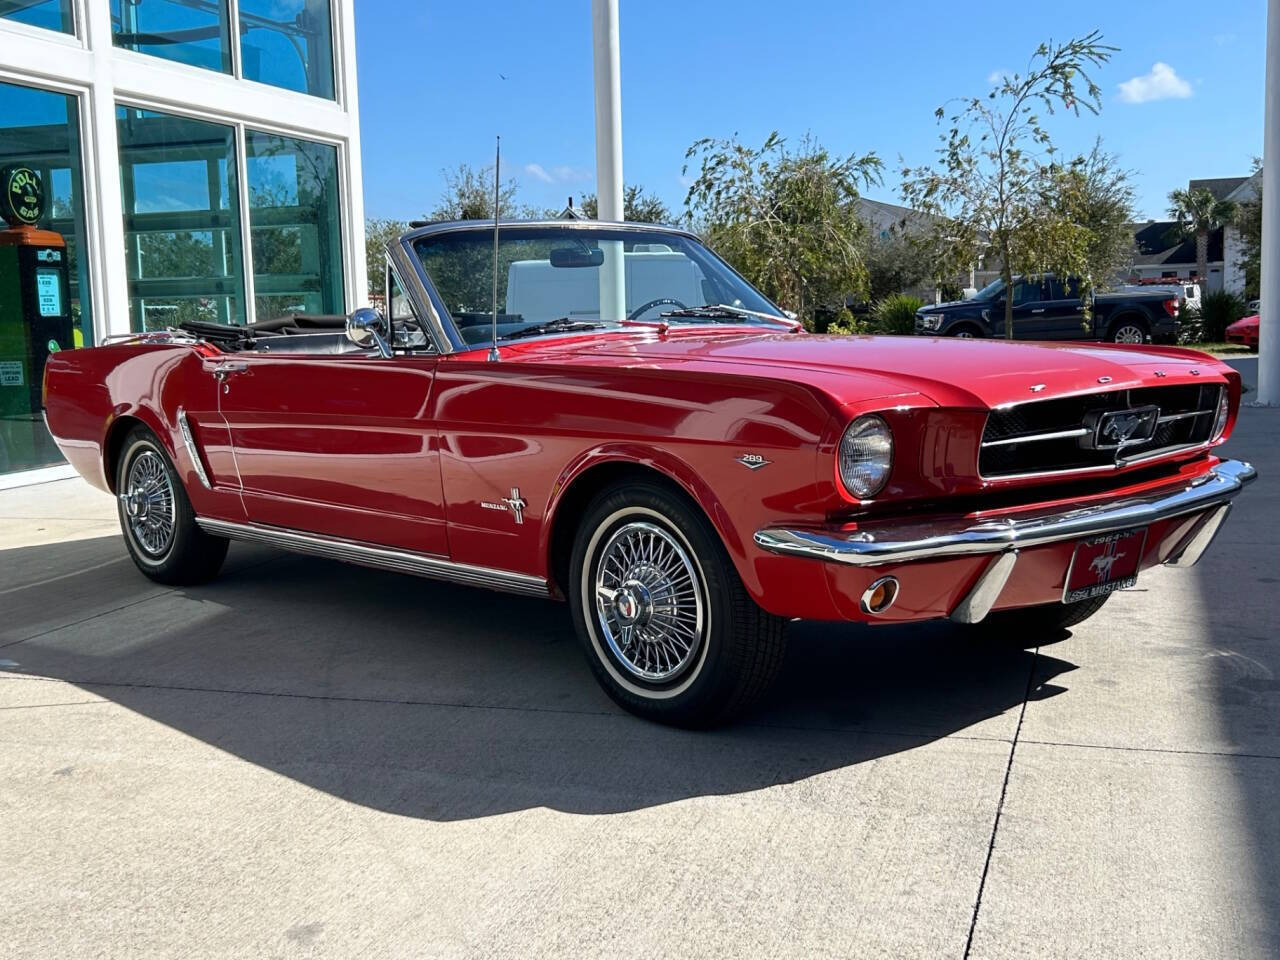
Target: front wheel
pixel 1031 624
pixel 159 525
pixel 667 626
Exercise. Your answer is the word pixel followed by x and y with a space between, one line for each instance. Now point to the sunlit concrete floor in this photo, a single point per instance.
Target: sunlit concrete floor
pixel 310 759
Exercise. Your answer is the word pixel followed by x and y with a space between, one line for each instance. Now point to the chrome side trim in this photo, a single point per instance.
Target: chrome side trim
pixel 1036 437
pixel 383 558
pixel 984 594
pixel 923 540
pixel 1189 554
pixel 193 451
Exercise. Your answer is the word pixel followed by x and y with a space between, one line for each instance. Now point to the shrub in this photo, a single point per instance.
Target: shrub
pixel 896 314
pixel 845 323
pixel 1218 310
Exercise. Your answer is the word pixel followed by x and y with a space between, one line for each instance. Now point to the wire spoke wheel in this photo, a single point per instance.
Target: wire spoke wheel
pixel 149 505
pixel 650 602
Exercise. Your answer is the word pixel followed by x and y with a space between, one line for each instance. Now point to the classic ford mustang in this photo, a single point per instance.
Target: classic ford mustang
pixel 609 414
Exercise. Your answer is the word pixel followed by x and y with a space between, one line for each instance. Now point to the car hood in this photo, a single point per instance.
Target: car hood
pixel 951 372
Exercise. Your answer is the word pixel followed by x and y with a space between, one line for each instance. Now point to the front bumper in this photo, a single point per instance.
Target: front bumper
pixel 1000 538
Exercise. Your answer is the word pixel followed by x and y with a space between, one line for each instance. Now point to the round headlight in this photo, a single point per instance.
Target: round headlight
pixel 866 456
pixel 1224 411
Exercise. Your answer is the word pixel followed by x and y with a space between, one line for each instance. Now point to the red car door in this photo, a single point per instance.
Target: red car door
pixel 341 445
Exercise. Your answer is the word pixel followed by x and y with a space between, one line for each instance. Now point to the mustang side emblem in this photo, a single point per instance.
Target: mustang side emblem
pixel 515 503
pixel 753 461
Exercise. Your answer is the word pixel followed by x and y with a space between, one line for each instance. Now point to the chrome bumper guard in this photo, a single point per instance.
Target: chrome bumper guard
pixel 889 543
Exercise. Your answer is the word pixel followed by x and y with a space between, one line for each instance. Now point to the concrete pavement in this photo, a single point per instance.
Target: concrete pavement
pixel 310 759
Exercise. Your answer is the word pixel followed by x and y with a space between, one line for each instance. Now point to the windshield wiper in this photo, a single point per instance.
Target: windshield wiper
pixel 722 311
pixel 562 325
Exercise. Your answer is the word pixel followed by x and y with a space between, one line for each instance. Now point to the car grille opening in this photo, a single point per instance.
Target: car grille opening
pixel 1052 436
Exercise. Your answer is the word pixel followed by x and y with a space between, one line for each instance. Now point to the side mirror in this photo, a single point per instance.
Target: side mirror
pixel 366 328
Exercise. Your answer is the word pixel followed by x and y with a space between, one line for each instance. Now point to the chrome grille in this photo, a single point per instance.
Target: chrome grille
pixel 1053 436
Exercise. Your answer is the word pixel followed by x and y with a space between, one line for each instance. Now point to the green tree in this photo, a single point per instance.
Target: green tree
pixel 991 187
pixel 638 206
pixel 378 235
pixel 1249 222
pixel 1198 213
pixel 896 262
pixel 468 195
pixel 787 220
pixel 1094 192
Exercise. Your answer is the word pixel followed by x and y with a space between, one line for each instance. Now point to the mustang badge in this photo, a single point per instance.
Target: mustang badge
pixel 514 503
pixel 1114 429
pixel 1102 565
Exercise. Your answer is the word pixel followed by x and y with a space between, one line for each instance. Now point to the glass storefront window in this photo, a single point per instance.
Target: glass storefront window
pixel 288 43
pixel 39 130
pixel 50 14
pixel 182 220
pixel 194 32
pixel 295 220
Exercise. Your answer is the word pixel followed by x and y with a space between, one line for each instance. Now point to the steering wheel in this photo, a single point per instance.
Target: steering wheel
pixel 660 301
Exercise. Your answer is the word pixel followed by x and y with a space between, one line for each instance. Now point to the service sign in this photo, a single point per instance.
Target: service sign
pixel 11 373
pixel 22 202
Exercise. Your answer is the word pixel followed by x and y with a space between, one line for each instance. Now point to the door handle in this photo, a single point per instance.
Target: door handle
pixel 1038 310
pixel 224 370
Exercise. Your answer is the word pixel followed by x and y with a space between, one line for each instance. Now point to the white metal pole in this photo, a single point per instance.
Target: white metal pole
pixel 1269 332
pixel 608 83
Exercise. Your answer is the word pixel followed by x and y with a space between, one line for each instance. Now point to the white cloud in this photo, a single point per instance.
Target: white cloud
pixel 565 173
pixel 997 76
pixel 562 173
pixel 1161 83
pixel 536 170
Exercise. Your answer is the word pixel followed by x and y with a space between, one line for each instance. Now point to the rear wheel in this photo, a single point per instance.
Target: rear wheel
pixel 668 628
pixel 1128 330
pixel 159 525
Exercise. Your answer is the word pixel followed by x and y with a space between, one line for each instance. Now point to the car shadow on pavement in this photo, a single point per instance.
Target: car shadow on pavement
pixel 432 700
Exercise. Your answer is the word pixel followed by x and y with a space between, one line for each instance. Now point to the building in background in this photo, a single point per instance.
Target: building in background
pixel 1161 254
pixel 201 158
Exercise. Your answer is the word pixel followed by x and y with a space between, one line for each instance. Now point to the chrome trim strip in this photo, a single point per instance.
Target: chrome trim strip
pixel 1036 437
pixel 1171 417
pixel 978 602
pixel 193 451
pixel 1197 543
pixel 926 540
pixel 383 558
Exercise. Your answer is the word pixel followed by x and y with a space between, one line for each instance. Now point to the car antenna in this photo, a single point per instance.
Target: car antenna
pixel 497 165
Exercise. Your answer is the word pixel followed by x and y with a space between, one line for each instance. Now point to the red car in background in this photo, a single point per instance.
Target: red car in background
pixel 1244 332
pixel 608 414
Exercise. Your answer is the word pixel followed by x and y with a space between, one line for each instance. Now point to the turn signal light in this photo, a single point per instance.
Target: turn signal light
pixel 880 595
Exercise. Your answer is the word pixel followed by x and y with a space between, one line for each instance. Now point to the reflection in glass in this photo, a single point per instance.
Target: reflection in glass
pixel 295 221
pixel 288 43
pixel 181 220
pixel 50 14
pixel 41 130
pixel 194 32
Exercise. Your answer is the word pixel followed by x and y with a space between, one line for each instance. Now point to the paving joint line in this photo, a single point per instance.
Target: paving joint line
pixel 1004 789
pixel 1187 752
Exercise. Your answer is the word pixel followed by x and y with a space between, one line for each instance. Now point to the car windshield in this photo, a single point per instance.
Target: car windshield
pixel 991 290
pixel 558 279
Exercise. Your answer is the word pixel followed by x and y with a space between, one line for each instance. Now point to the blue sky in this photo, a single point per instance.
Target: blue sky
pixel 1181 99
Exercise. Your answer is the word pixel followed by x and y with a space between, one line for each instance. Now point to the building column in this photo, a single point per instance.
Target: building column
pixel 608 82
pixel 1269 332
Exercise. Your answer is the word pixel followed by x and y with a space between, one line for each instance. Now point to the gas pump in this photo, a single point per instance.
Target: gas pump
pixel 35 318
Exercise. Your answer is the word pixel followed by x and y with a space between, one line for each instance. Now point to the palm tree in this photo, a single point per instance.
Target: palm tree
pixel 1198 213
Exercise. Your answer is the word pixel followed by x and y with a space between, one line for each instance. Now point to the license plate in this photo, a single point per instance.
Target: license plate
pixel 1104 564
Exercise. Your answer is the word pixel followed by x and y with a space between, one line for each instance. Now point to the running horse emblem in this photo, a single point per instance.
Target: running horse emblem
pixel 1102 565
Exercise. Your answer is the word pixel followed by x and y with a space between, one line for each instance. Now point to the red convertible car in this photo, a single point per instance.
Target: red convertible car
pixel 609 414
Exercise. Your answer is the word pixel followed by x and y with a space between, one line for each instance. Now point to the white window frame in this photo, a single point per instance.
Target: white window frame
pixel 89 66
